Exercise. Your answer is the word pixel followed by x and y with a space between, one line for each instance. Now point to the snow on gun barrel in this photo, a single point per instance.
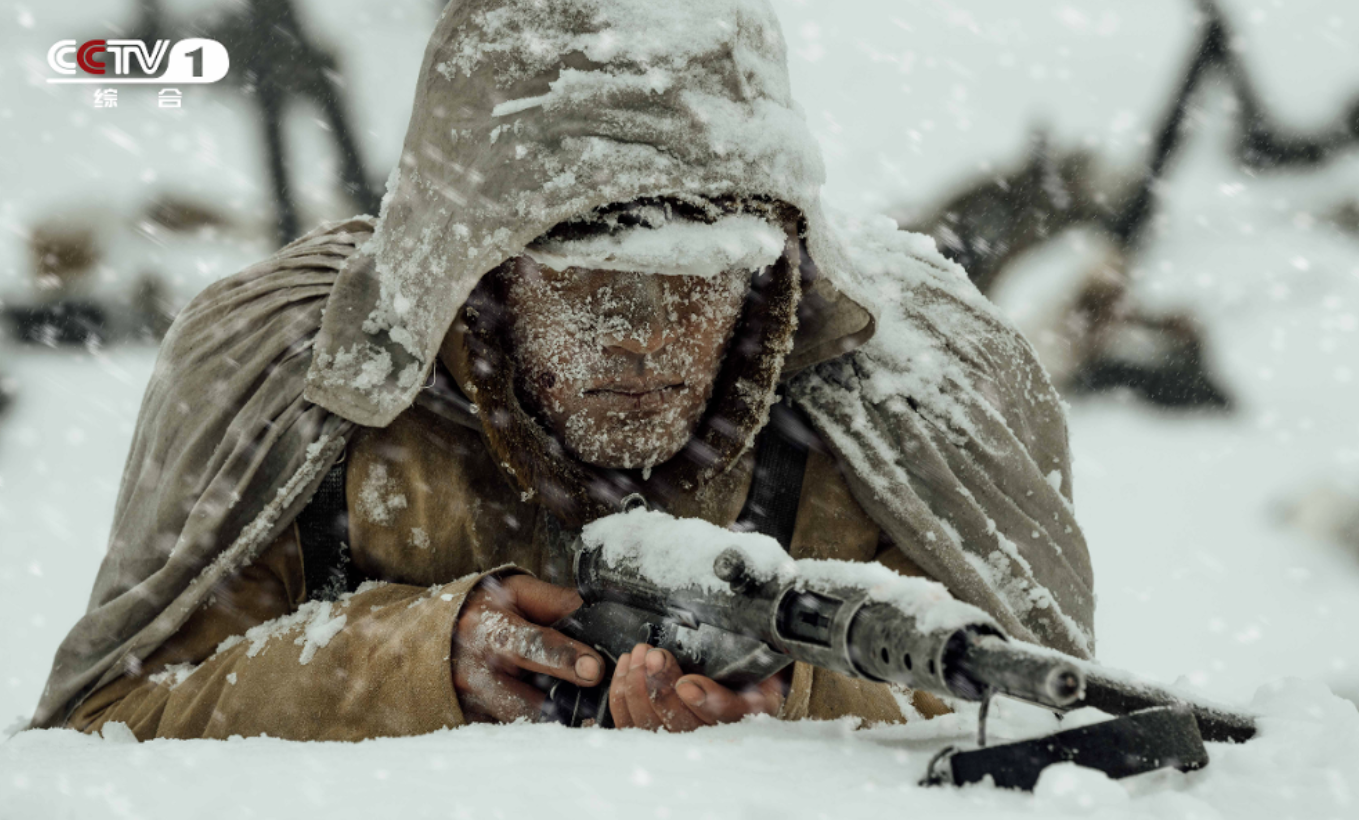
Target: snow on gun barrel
pixel 724 602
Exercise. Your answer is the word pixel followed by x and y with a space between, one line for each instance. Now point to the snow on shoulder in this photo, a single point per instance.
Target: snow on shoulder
pixel 947 377
pixel 678 553
pixel 914 289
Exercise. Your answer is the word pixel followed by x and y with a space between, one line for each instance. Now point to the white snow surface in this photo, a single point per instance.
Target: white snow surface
pixel 1200 577
pixel 1305 764
pixel 677 248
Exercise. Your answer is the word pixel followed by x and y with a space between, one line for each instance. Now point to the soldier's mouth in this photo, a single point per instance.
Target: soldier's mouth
pixel 637 396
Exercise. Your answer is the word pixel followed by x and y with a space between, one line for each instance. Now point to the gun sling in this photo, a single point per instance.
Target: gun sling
pixel 323 533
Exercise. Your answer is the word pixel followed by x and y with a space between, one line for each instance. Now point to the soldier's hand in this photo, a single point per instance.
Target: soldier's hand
pixel 502 635
pixel 649 691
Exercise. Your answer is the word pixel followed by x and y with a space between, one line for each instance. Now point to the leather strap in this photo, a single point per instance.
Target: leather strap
pixel 323 530
pixel 780 466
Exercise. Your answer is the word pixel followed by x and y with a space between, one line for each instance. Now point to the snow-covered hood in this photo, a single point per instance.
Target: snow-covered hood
pixel 530 114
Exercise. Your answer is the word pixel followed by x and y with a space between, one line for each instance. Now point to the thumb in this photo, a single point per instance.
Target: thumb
pixel 540 602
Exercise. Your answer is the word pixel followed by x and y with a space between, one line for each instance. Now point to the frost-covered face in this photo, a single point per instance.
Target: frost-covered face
pixel 621 365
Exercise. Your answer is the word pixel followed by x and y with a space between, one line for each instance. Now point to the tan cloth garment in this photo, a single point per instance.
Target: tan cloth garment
pixel 427 506
pixel 383 672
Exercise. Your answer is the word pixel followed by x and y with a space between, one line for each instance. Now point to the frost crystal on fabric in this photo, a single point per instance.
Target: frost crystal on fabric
pixel 315 621
pixel 378 500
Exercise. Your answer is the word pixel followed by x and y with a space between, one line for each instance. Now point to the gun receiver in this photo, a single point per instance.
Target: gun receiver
pixel 739 626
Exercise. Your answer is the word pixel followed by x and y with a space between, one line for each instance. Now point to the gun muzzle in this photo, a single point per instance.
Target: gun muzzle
pixel 975 664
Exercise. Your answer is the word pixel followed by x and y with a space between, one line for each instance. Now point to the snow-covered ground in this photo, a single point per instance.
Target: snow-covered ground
pixel 1303 766
pixel 1200 574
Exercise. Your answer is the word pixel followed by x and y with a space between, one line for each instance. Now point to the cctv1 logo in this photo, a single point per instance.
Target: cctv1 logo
pixel 196 60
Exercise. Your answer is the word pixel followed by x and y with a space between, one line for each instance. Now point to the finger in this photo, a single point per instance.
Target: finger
pixel 502 697
pixel 717 704
pixel 635 692
pixel 541 602
pixel 662 672
pixel 494 591
pixel 514 642
pixel 618 702
pixel 772 690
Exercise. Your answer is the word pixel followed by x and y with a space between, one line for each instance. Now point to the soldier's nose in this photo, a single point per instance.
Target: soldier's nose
pixel 643 323
pixel 639 341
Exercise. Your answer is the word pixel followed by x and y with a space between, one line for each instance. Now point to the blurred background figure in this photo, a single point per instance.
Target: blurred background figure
pixel 63 256
pixel 1095 337
pixel 6 394
pixel 68 304
pixel 1092 336
pixel 275 66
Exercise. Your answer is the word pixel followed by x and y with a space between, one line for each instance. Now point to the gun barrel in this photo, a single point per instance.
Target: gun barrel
pixel 978 663
pixel 741 625
pixel 969 662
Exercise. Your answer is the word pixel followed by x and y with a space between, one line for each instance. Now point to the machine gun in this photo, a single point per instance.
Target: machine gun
pixel 741 610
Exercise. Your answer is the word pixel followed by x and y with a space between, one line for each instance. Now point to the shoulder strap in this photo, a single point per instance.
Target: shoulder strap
pixel 780 464
pixel 323 525
pixel 323 530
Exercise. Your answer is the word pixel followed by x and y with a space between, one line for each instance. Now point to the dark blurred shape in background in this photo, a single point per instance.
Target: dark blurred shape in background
pixel 181 215
pixel 7 392
pixel 1346 217
pixel 62 256
pixel 1111 343
pixel 63 253
pixel 277 65
pixel 66 310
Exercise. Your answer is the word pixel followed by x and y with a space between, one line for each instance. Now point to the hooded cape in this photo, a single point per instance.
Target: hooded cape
pixel 528 115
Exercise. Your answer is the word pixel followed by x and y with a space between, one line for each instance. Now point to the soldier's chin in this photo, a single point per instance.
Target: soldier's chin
pixel 628 451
